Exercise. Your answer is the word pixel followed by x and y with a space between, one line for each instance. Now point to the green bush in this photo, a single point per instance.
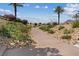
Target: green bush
pixel 49 26
pixel 75 24
pixel 44 27
pixel 15 30
pixel 66 31
pixel 40 24
pixel 55 23
pixel 51 31
pixel 4 32
pixel 66 37
pixel 60 27
pixel 35 24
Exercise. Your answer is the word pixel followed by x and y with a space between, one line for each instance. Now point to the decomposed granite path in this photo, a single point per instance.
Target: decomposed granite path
pixel 44 39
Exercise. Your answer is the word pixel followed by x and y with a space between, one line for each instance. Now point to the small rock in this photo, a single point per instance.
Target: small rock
pixel 17 41
pixel 20 47
pixel 12 43
pixel 49 53
pixel 38 51
pixel 22 43
pixel 31 49
pixel 38 54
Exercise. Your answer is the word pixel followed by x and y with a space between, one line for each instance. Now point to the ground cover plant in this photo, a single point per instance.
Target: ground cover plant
pixel 51 31
pixel 18 32
pixel 47 28
pixel 60 27
pixel 75 24
pixel 66 31
pixel 68 37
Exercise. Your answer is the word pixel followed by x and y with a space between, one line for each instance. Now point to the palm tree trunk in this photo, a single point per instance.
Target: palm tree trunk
pixel 15 11
pixel 58 18
pixel 76 17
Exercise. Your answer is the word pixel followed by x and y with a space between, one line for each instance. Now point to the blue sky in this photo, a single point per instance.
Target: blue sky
pixel 40 12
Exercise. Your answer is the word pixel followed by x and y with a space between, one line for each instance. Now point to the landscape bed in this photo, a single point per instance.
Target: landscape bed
pixel 17 34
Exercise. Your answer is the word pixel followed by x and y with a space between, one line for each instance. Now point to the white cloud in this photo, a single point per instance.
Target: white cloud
pixel 53 9
pixel 27 5
pixel 3 11
pixel 46 7
pixel 37 6
pixel 71 9
pixel 72 5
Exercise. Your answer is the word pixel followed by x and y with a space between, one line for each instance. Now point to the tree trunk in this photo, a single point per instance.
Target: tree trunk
pixel 15 11
pixel 58 18
pixel 76 17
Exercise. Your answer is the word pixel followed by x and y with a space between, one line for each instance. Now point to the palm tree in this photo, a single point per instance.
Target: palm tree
pixel 59 10
pixel 15 5
pixel 76 16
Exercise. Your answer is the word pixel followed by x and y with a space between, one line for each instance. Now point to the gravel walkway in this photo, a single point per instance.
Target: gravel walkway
pixel 44 39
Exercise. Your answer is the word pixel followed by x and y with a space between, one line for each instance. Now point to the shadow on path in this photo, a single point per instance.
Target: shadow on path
pixel 32 52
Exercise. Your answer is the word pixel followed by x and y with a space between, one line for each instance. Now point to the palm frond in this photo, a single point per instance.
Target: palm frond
pixel 59 9
pixel 16 4
pixel 20 5
pixel 10 3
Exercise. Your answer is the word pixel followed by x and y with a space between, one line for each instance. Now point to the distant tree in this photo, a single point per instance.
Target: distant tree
pixel 59 10
pixel 76 16
pixel 18 20
pixel 49 23
pixel 35 24
pixel 30 23
pixel 24 21
pixel 55 23
pixel 40 24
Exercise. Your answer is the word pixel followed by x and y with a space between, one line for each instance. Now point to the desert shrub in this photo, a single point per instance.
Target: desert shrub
pixel 55 23
pixel 18 20
pixel 45 27
pixel 15 30
pixel 51 31
pixel 75 24
pixel 25 22
pixel 66 31
pixel 30 23
pixel 66 37
pixel 35 24
pixel 4 32
pixel 47 24
pixel 50 26
pixel 40 24
pixel 60 27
